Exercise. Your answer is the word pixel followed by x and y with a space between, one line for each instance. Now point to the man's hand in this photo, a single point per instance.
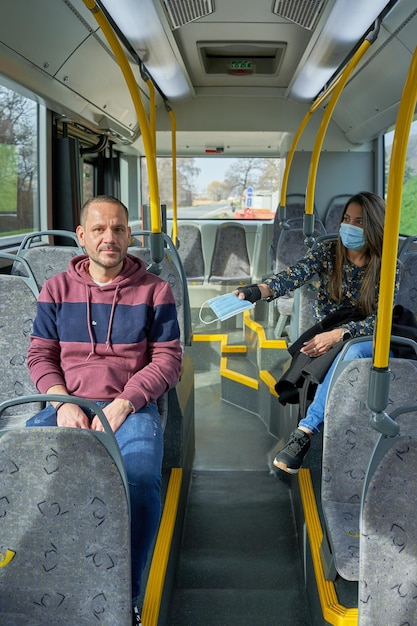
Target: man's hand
pixel 116 413
pixel 72 416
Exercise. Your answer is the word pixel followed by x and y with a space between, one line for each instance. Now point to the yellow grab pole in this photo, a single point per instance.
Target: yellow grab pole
pixel 174 176
pixel 152 112
pixel 288 163
pixel 340 84
pixel 392 216
pixel 317 102
pixel 139 108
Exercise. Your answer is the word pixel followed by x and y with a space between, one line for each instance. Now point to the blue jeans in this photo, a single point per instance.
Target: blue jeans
pixel 315 413
pixel 140 440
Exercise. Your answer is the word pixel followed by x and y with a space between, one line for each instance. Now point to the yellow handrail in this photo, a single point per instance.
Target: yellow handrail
pixel 144 126
pixel 392 216
pixel 152 113
pixel 317 102
pixel 174 176
pixel 312 174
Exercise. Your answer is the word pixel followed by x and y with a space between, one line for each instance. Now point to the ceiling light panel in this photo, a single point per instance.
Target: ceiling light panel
pixel 182 12
pixel 302 12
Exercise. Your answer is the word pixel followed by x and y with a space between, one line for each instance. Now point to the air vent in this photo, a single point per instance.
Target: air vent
pixel 302 12
pixel 241 58
pixel 182 12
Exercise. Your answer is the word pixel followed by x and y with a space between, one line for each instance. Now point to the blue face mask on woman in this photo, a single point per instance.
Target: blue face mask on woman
pixel 352 237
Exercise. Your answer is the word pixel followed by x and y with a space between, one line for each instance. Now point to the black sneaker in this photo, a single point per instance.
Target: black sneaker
pixel 136 621
pixel 291 457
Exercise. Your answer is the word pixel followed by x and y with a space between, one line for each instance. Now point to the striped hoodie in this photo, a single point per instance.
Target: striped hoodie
pixel 105 342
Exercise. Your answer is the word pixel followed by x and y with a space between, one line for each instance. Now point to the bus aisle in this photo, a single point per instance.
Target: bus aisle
pixel 239 561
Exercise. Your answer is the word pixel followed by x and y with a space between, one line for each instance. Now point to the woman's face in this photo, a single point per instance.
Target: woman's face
pixel 353 215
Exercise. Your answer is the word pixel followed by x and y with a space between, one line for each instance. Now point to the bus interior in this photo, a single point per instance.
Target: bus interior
pixel 235 132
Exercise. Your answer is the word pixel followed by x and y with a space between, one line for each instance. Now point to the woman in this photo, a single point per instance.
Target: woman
pixel 348 269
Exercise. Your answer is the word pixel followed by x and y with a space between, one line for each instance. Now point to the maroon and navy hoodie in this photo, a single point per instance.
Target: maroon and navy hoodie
pixel 105 342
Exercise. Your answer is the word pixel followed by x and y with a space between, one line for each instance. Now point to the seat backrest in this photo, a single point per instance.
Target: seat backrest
pixel 46 261
pixel 388 530
pixel 294 209
pixel 65 530
pixel 303 317
pixel 334 212
pixel 291 245
pixel 43 259
pixel 230 263
pixel 170 269
pixel 190 251
pixel 348 440
pixel 407 294
pixel 17 314
pixel 168 272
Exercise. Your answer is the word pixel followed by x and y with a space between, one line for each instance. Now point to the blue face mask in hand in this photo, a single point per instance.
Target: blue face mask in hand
pixel 226 306
pixel 352 237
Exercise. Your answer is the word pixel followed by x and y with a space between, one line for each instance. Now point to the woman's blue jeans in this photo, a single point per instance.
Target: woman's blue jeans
pixel 315 413
pixel 140 439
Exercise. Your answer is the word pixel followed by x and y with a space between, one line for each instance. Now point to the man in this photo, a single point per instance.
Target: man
pixel 106 330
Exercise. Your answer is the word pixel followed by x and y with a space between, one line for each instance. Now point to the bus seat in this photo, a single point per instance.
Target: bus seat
pixel 190 251
pixel 406 245
pixel 407 295
pixel 65 539
pixel 388 530
pixel 291 247
pixel 334 212
pixel 230 263
pixel 17 314
pixel 304 297
pixel 47 260
pixel 168 272
pixel 171 269
pixel 302 318
pixel 348 440
pixel 295 209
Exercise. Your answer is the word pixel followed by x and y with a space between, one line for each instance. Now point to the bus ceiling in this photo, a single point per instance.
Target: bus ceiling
pixel 205 74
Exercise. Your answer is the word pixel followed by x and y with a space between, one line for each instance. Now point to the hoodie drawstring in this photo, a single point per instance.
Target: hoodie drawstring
pixel 113 307
pixel 90 330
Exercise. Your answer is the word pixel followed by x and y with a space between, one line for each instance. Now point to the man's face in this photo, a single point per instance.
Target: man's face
pixel 105 235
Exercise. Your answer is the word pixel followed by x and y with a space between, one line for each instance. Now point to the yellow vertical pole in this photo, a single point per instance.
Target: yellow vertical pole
pixel 174 176
pixel 392 216
pixel 144 125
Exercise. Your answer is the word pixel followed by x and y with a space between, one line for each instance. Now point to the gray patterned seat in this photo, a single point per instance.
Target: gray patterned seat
pixel 169 273
pixel 291 247
pixel 46 261
pixel 348 441
pixel 190 251
pixel 65 543
pixel 17 313
pixel 43 259
pixel 230 263
pixel 334 212
pixel 294 209
pixel 407 295
pixel 388 531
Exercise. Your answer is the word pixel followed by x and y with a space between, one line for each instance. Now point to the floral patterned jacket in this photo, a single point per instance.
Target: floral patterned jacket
pixel 319 263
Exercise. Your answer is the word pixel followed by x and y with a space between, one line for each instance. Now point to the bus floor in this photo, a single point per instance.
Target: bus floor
pixel 239 560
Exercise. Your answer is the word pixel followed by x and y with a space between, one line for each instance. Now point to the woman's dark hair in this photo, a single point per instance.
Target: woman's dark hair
pixel 373 215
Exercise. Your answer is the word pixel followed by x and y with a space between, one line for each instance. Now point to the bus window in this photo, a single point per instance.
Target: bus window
pixel 219 187
pixel 19 202
pixel 408 220
pixel 88 181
